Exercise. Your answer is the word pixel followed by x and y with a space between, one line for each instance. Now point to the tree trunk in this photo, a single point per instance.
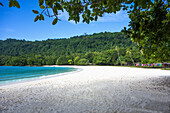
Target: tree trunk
pixel 119 57
pixel 132 59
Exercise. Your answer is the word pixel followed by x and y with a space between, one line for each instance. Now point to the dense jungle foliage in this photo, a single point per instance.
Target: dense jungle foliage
pixel 97 49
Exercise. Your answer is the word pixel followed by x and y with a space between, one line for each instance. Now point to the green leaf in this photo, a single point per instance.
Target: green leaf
pixel 42 6
pixel 42 17
pixel 96 18
pixel 55 10
pixel 164 21
pixel 35 11
pixel 41 2
pixel 16 4
pixel 59 7
pixel 10 3
pixel 36 18
pixel 55 21
pixel 1 4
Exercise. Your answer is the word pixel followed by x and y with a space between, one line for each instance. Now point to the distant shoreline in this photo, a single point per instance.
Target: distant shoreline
pixel 146 67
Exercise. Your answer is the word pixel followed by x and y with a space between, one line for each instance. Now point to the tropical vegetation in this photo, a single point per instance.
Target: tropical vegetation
pixel 97 49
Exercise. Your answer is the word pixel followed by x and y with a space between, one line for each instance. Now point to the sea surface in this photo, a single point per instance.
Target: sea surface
pixel 10 74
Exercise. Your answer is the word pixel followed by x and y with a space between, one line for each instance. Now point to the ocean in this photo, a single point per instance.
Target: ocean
pixel 17 73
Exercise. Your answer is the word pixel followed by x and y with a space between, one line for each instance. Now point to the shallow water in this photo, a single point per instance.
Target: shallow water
pixel 14 73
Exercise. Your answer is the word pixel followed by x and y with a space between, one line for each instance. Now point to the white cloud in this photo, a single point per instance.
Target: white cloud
pixel 64 16
pixel 120 16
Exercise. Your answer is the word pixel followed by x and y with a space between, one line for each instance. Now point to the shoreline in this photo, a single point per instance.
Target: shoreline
pixel 145 67
pixel 77 67
pixel 101 89
pixel 25 80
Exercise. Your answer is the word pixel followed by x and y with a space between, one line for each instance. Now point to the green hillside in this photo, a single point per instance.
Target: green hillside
pixel 88 48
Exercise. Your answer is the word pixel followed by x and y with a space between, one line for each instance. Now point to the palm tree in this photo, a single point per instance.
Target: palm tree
pixel 117 49
pixel 129 52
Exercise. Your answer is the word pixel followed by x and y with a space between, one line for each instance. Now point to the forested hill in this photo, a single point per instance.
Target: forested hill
pixel 98 49
pixel 78 44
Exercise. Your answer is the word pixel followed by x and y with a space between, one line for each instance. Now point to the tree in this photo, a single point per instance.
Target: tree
pixel 17 61
pixel 150 29
pixel 129 52
pixel 90 10
pixel 117 49
pixel 89 56
pixel 12 3
pixel 50 60
pixel 70 61
pixel 62 60
pixel 30 61
pixel 4 60
pixel 100 59
pixel 76 59
pixel 83 61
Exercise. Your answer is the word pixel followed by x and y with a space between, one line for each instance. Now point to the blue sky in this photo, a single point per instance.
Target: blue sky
pixel 19 23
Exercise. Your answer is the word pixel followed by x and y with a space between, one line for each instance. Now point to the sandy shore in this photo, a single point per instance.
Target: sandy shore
pixel 95 89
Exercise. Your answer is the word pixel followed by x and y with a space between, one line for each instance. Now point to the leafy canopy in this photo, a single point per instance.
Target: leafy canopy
pixel 150 29
pixel 89 10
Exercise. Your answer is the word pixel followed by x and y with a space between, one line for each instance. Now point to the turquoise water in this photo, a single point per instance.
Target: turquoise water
pixel 15 73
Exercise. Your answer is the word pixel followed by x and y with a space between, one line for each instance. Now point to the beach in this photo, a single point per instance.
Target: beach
pixel 91 89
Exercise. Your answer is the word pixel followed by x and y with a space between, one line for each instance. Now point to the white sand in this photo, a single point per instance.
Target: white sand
pixel 95 89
